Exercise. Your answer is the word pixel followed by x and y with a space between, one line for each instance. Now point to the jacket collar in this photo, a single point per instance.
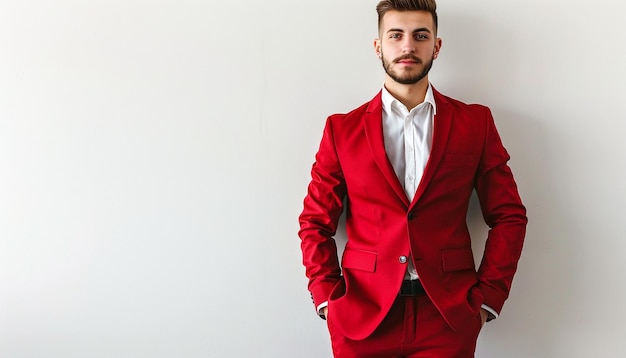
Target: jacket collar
pixel 374 133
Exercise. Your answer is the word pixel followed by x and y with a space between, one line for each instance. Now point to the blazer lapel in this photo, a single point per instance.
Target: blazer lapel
pixel 442 123
pixel 374 133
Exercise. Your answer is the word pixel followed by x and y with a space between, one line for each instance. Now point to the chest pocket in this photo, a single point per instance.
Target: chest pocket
pixel 458 159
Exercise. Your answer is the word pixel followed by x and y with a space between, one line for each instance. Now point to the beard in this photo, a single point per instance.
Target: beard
pixel 408 78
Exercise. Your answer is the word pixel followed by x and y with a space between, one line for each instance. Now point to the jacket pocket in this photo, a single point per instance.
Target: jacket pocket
pixel 458 159
pixel 457 260
pixel 359 260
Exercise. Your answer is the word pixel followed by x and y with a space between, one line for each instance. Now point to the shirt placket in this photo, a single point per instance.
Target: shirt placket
pixel 412 141
pixel 410 180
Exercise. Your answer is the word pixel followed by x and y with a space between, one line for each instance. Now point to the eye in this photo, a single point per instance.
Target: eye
pixel 395 35
pixel 420 36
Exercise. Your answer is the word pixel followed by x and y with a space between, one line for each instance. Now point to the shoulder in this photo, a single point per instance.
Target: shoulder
pixel 470 109
pixel 471 113
pixel 372 106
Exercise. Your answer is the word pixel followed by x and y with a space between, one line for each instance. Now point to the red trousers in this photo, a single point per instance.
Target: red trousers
pixel 413 328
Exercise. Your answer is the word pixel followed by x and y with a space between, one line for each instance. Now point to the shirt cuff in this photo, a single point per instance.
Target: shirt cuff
pixel 492 313
pixel 320 307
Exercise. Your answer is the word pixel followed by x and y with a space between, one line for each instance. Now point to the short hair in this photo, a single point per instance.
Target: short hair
pixel 407 5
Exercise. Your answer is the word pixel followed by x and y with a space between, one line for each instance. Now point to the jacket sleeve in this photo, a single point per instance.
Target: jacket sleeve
pixel 323 206
pixel 505 215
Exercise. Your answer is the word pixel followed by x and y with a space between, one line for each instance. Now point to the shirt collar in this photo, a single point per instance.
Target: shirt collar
pixel 389 100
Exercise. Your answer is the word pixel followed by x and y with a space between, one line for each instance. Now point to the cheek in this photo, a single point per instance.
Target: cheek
pixel 388 52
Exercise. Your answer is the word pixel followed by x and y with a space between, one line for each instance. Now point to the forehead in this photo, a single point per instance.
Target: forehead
pixel 407 21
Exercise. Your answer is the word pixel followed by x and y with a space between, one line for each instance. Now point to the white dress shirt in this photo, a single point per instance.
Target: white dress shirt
pixel 408 136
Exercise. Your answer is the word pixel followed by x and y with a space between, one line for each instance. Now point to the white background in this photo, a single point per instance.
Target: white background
pixel 154 156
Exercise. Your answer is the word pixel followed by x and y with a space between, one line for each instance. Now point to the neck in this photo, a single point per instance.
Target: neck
pixel 409 95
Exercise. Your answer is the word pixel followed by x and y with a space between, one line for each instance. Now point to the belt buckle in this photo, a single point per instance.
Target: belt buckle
pixel 407 289
pixel 411 288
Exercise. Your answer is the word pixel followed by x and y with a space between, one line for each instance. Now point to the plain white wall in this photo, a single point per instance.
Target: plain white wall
pixel 154 156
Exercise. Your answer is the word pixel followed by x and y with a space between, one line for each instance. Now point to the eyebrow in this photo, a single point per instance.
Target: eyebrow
pixel 421 29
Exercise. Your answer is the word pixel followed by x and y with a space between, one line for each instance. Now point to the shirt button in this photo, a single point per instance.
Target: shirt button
pixel 402 259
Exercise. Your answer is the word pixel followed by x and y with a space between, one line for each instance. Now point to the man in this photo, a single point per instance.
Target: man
pixel 405 164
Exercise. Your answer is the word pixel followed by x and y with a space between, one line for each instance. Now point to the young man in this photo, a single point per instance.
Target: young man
pixel 406 163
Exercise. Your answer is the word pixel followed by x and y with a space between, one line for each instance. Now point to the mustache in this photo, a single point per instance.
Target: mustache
pixel 407 57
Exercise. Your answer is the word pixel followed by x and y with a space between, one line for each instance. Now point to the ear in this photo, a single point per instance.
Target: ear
pixel 377 48
pixel 437 48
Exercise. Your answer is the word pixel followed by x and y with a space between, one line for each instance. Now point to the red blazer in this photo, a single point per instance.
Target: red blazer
pixel 382 225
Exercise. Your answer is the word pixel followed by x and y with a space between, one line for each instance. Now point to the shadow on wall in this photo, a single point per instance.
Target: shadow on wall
pixel 479 60
pixel 540 299
pixel 470 47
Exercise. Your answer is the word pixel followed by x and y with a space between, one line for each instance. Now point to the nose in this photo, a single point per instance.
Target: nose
pixel 408 46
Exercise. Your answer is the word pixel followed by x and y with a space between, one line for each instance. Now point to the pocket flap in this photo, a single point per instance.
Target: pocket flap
pixel 458 260
pixel 360 260
pixel 458 159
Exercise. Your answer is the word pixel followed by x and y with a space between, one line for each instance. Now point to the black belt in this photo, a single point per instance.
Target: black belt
pixel 412 288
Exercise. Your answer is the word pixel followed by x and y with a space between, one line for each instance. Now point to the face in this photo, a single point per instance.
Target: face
pixel 407 46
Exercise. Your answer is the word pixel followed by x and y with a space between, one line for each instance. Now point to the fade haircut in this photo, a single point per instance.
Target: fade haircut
pixel 407 5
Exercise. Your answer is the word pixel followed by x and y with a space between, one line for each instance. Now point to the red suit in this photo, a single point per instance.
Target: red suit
pixel 383 227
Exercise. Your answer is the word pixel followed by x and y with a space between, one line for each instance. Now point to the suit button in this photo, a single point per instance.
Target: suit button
pixel 411 216
pixel 402 259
